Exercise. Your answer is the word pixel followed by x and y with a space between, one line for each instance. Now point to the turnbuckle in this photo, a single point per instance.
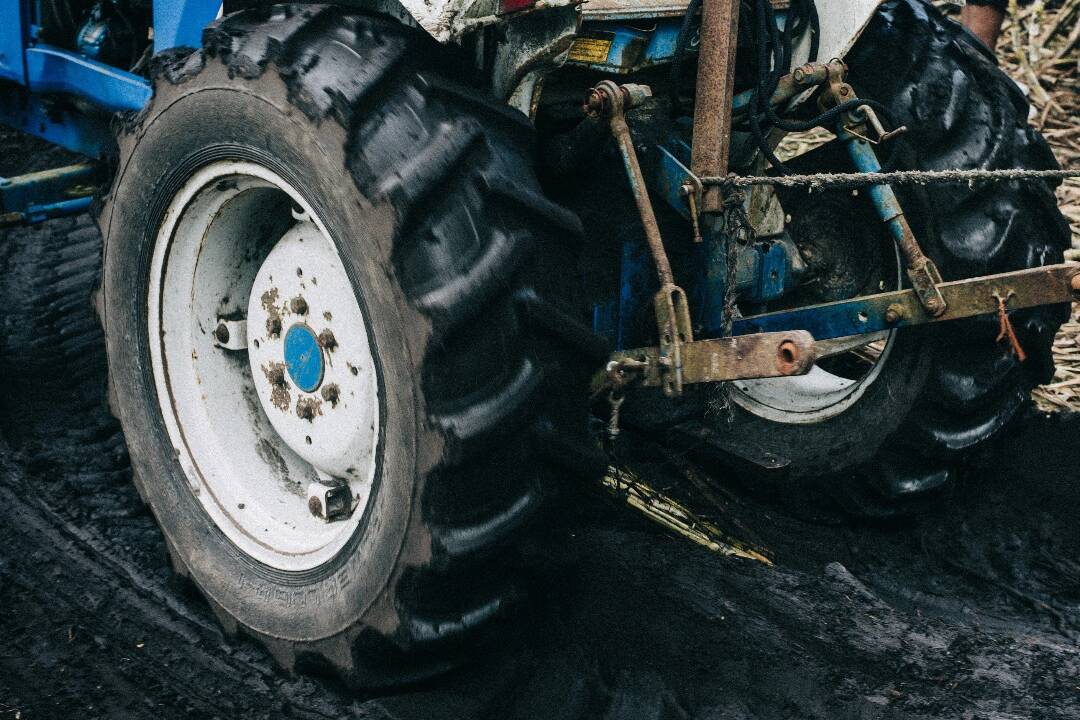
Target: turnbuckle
pixel 853 130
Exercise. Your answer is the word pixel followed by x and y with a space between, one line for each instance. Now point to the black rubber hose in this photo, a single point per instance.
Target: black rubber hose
pixel 680 53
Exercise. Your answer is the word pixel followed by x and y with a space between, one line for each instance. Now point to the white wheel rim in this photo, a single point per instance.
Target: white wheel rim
pixel 252 444
pixel 815 397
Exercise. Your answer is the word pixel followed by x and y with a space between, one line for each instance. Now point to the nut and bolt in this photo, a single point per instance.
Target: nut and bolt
pixel 305 411
pixel 273 326
pixel 221 333
pixel 327 340
pixel 298 305
pixel 276 376
pixel 894 314
pixel 331 393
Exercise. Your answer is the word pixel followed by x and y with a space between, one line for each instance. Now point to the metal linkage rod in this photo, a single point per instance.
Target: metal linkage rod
pixel 715 82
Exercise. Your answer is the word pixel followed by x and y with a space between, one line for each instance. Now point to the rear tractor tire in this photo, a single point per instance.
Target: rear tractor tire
pixel 324 297
pixel 883 441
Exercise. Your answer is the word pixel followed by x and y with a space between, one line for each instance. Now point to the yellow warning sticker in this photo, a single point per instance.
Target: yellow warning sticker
pixel 590 50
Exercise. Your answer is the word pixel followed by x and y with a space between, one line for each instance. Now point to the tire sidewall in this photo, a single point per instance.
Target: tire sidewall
pixel 219 116
pixel 854 436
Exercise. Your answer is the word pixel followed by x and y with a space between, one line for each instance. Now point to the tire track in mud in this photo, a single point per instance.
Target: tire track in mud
pixel 861 622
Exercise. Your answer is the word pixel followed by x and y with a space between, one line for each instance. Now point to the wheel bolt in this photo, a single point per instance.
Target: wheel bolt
pixel 221 332
pixel 276 376
pixel 331 394
pixel 305 411
pixel 894 313
pixel 298 305
pixel 327 340
pixel 273 326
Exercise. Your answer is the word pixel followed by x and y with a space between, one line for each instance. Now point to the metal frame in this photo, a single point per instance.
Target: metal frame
pixel 44 71
pixel 68 99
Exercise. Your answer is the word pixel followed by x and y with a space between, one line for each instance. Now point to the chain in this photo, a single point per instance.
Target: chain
pixel 839 181
pixel 736 231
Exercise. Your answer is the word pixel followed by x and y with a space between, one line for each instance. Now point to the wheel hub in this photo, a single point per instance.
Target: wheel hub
pixel 303 357
pixel 309 354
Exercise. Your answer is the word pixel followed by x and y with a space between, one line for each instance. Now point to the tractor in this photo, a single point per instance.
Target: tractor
pixel 379 278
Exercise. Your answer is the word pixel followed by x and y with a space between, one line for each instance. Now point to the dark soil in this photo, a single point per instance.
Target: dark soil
pixel 970 611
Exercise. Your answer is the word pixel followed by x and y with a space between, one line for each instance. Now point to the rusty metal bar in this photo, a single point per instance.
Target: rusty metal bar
pixel 760 355
pixel 715 84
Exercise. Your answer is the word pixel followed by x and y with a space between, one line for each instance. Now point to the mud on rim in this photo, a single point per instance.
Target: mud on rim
pixel 268 442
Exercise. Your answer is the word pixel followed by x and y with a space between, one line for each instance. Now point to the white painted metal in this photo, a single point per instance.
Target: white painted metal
pixel 250 479
pixel 235 334
pixel 820 394
pixel 841 23
pixel 811 398
pixel 339 439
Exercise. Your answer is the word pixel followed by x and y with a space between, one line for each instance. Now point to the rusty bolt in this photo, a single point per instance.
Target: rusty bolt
pixel 315 506
pixel 273 326
pixel 221 332
pixel 327 340
pixel 298 305
pixel 276 376
pixel 844 89
pixel 798 74
pixel 595 103
pixel 305 411
pixel 894 314
pixel 331 393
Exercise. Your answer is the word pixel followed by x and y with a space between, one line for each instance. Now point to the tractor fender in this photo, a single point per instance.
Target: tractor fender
pixel 841 21
pixel 449 20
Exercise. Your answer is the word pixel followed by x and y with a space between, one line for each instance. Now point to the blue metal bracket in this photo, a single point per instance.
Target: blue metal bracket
pixel 180 24
pixel 38 196
pixel 620 48
pixel 52 70
pixel 14 16
pixel 55 123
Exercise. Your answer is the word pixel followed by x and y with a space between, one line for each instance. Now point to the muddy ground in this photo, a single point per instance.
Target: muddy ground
pixel 971 611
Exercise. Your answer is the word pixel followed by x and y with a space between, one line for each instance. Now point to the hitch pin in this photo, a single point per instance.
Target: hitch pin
pixel 691 194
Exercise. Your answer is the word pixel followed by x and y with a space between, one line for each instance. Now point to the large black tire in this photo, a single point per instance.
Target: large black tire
pixel 428 191
pixel 944 389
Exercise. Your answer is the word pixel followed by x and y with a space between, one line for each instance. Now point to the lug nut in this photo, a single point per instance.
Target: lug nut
pixel 305 411
pixel 273 326
pixel 298 305
pixel 221 333
pixel 276 376
pixel 330 394
pixel 327 340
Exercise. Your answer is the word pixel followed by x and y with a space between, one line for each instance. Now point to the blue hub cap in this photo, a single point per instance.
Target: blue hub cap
pixel 303 357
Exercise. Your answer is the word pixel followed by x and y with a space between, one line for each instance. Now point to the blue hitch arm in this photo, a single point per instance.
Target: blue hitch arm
pixel 39 196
